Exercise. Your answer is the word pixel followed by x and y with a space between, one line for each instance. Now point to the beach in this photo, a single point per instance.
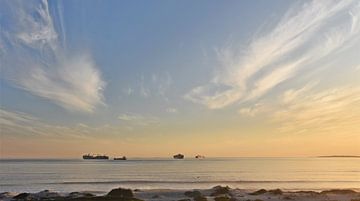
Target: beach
pixel 217 193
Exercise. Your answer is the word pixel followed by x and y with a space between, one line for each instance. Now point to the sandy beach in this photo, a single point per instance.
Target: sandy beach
pixel 217 193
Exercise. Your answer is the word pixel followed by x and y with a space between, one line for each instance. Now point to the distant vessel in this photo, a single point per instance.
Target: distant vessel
pixel 90 156
pixel 178 156
pixel 199 156
pixel 121 158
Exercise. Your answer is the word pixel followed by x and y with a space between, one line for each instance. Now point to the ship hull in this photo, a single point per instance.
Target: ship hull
pixel 178 156
pixel 87 157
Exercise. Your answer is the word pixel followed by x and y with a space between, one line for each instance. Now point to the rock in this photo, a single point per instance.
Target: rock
pixel 222 198
pixel 339 191
pixel 186 199
pixel 276 192
pixel 259 192
pixel 200 198
pixel 118 194
pixel 88 195
pixel 46 194
pixel 192 194
pixel 156 196
pixel 22 196
pixel 6 195
pixel 313 193
pixel 121 193
pixel 74 193
pixel 80 194
pixel 220 190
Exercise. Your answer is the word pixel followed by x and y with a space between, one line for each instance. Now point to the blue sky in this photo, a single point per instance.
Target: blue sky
pixel 154 72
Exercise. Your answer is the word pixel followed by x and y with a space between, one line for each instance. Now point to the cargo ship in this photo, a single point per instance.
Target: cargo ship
pixel 199 157
pixel 98 157
pixel 179 156
pixel 120 158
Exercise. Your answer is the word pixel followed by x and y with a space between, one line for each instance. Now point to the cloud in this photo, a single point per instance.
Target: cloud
pixel 129 117
pixel 253 110
pixel 128 91
pixel 331 110
pixel 14 123
pixel 138 119
pixel 34 58
pixel 310 110
pixel 157 84
pixel 357 68
pixel 144 91
pixel 302 38
pixel 163 82
pixel 171 110
pixel 293 94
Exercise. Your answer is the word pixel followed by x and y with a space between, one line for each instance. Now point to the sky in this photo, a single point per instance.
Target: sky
pixel 152 79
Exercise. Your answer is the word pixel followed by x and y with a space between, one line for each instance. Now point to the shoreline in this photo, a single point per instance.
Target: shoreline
pixel 217 193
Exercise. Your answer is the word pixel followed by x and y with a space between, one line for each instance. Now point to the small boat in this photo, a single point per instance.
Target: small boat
pixel 179 156
pixel 120 158
pixel 97 157
pixel 199 157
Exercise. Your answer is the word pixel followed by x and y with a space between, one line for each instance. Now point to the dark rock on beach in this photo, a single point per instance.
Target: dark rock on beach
pixel 121 193
pixel 80 194
pixel 200 198
pixel 339 191
pixel 220 190
pixel 222 198
pixel 192 194
pixel 156 196
pixel 22 196
pixel 118 194
pixel 276 192
pixel 196 195
pixel 259 192
pixel 5 195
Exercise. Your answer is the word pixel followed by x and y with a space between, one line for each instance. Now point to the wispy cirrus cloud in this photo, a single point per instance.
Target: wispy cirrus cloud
pixel 300 39
pixel 34 58
pixel 310 110
pixel 156 84
pixel 172 110
pixel 14 123
pixel 335 110
pixel 254 110
pixel 138 119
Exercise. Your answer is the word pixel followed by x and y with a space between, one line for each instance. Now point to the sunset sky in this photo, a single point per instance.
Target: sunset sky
pixel 154 78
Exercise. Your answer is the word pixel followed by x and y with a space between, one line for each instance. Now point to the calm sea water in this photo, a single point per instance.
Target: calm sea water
pixel 249 173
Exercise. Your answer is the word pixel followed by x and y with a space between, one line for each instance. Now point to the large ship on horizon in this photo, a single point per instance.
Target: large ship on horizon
pixel 97 156
pixel 178 156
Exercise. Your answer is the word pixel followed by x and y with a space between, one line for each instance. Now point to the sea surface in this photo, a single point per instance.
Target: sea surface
pixel 249 173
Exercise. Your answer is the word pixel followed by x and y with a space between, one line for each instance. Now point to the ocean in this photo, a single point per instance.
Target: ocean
pixel 248 173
